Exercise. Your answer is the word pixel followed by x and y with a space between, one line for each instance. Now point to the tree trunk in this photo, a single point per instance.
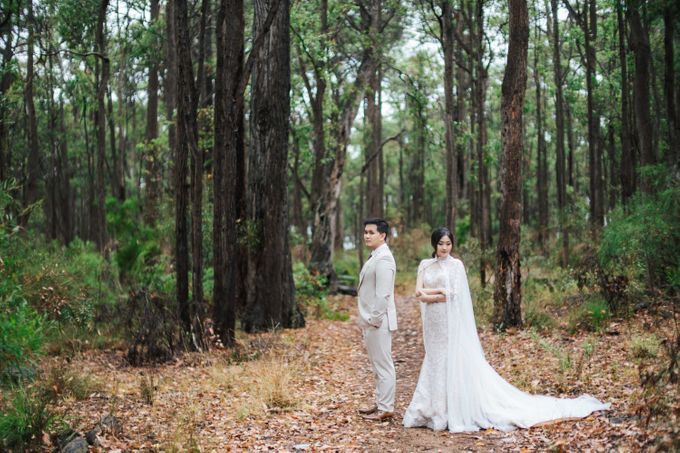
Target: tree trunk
pixel 102 71
pixel 151 148
pixel 191 313
pixel 374 191
pixel 170 83
pixel 5 83
pixel 673 152
pixel 542 157
pixel 33 162
pixel 639 44
pixel 611 157
pixel 451 156
pixel 627 158
pixel 228 137
pixel 270 288
pixel 64 175
pixel 202 78
pixel 507 290
pixel 559 144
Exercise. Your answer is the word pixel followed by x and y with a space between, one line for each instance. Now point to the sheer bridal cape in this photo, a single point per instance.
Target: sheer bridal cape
pixel 457 388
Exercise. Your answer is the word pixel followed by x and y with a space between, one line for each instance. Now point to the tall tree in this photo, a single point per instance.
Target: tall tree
pixel 5 83
pixel 270 288
pixel 152 154
pixel 669 83
pixel 191 312
pixel 559 126
pixel 374 188
pixel 33 163
pixel 102 73
pixel 226 169
pixel 627 159
pixel 639 44
pixel 587 20
pixel 507 290
pixel 541 150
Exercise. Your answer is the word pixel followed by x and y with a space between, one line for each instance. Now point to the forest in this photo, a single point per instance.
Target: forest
pixel 183 186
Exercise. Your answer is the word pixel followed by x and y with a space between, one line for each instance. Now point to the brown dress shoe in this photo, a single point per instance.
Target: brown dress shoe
pixel 367 409
pixel 379 416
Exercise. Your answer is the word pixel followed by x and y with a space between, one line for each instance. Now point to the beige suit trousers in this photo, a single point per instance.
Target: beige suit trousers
pixel 378 341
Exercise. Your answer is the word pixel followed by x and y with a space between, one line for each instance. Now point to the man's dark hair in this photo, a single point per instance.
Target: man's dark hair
pixel 382 225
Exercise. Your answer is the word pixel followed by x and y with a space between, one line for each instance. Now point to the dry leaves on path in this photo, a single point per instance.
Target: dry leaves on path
pixel 303 392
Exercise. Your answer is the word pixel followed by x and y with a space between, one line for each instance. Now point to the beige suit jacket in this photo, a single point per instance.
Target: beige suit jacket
pixel 376 290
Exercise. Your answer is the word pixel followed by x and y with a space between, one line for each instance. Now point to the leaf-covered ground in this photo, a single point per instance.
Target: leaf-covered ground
pixel 299 390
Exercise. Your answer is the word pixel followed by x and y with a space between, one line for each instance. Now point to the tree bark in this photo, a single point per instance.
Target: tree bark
pixel 507 290
pixel 191 312
pixel 152 155
pixel 542 157
pixel 639 43
pixel 559 143
pixel 449 115
pixel 374 190
pixel 627 158
pixel 673 152
pixel 5 83
pixel 33 162
pixel 228 138
pixel 102 71
pixel 270 287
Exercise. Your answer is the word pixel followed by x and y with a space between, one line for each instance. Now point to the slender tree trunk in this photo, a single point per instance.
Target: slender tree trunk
pixel 33 163
pixel 596 197
pixel 102 71
pixel 271 292
pixel 507 290
pixel 559 143
pixel 673 152
pixel 542 157
pixel 611 157
pixel 151 148
pixel 64 173
pixel 449 116
pixel 115 174
pixel 203 55
pixel 187 147
pixel 571 181
pixel 170 83
pixel 228 137
pixel 5 83
pixel 374 191
pixel 639 43
pixel 627 159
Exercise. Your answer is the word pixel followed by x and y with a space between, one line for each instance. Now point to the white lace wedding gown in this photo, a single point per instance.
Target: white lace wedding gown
pixel 457 388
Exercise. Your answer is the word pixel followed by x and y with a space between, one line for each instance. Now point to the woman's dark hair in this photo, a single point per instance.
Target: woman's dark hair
pixel 437 235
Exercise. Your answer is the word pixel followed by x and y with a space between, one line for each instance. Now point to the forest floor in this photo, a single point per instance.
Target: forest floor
pixel 298 390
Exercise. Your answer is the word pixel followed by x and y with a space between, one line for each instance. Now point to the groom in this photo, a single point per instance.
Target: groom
pixel 378 317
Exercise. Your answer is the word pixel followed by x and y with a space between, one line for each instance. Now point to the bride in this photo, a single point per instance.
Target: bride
pixel 457 388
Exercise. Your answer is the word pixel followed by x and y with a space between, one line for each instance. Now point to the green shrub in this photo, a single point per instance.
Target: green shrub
pixel 24 416
pixel 312 294
pixel 592 315
pixel 22 335
pixel 642 241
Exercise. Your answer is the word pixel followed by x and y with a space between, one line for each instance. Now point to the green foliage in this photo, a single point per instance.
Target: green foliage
pixel 592 315
pixel 22 335
pixel 642 242
pixel 312 294
pixel 24 416
pixel 347 267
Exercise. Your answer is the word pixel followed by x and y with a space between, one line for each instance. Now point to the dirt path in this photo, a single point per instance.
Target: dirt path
pixel 208 403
